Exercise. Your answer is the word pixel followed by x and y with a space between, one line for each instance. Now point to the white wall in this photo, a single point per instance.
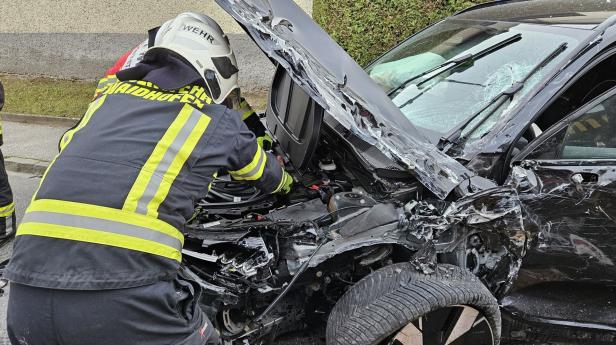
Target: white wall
pixel 100 16
pixel 82 38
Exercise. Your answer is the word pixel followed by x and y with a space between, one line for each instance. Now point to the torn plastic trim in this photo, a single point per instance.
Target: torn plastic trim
pixel 335 81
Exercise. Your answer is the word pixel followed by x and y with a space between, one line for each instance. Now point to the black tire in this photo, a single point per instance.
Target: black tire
pixel 384 302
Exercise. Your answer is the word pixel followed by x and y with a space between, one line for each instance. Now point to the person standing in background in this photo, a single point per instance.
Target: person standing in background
pixel 7 207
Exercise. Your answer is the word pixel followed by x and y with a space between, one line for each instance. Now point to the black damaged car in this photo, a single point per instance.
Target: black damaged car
pixel 459 190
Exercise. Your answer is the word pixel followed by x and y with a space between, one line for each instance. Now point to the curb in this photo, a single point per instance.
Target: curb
pixel 26 165
pixel 39 119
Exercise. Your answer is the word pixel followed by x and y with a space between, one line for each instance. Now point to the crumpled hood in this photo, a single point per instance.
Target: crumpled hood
pixel 334 80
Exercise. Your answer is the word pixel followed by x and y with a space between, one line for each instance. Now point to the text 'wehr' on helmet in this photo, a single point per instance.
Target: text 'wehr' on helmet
pixel 202 43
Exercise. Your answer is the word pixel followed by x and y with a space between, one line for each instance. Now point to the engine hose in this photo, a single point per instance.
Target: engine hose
pixel 258 198
pixel 234 191
pixel 229 191
pixel 254 195
pixel 216 196
pixel 222 196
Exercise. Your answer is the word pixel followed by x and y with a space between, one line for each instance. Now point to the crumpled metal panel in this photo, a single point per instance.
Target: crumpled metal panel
pixel 573 217
pixel 334 80
pixel 494 212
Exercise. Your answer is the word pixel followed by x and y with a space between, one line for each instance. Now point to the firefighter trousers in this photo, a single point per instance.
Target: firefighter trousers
pixel 7 208
pixel 164 313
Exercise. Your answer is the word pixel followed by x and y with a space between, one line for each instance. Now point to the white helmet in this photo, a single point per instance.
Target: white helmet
pixel 201 41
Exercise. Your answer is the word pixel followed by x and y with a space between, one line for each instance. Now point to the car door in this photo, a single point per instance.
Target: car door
pixel 566 180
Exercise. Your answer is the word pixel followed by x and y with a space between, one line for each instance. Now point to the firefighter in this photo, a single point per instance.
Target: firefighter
pixel 7 207
pixel 250 117
pixel 97 256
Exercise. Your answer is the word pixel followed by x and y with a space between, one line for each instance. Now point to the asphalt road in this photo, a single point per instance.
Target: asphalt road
pixel 32 141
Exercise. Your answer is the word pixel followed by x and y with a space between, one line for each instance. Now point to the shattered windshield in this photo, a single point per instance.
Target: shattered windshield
pixel 436 86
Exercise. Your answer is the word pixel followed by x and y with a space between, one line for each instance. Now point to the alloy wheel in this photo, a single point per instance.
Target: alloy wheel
pixel 455 325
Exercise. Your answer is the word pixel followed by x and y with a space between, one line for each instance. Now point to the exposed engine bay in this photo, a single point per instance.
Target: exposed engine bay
pixel 251 249
pixel 270 265
pixel 273 265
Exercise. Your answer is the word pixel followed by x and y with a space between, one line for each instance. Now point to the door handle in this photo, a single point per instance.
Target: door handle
pixel 584 177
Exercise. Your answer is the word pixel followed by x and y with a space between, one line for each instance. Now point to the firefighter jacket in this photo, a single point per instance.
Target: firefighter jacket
pixel 132 57
pixel 110 210
pixel 249 116
pixel 252 120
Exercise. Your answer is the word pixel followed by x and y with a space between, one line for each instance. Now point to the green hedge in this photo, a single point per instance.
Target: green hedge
pixel 368 28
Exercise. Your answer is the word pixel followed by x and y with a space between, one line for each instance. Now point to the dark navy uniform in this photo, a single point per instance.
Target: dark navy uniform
pixel 135 55
pixel 7 207
pixel 252 120
pixel 109 213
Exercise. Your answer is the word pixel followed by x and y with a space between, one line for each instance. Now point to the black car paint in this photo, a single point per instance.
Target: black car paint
pixel 552 12
pixel 571 206
pixel 538 212
pixel 343 89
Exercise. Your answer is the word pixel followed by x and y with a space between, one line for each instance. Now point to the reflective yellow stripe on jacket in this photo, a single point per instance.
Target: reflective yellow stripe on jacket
pixel 254 170
pixel 285 181
pixel 164 164
pixel 7 210
pixel 246 110
pixel 92 108
pixel 101 225
pixel 104 83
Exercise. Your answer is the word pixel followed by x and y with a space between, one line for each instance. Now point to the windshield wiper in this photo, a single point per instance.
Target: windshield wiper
pixel 455 135
pixel 455 62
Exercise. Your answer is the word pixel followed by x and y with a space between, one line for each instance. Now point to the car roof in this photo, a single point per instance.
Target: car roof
pixel 586 14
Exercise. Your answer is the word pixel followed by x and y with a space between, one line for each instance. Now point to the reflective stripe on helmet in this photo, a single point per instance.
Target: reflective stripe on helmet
pixel 101 225
pixel 167 159
pixel 225 66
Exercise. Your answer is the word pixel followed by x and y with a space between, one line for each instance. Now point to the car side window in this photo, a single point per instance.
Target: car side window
pixel 591 84
pixel 592 135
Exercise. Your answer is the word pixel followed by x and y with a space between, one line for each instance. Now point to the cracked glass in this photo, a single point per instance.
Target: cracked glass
pixel 448 98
